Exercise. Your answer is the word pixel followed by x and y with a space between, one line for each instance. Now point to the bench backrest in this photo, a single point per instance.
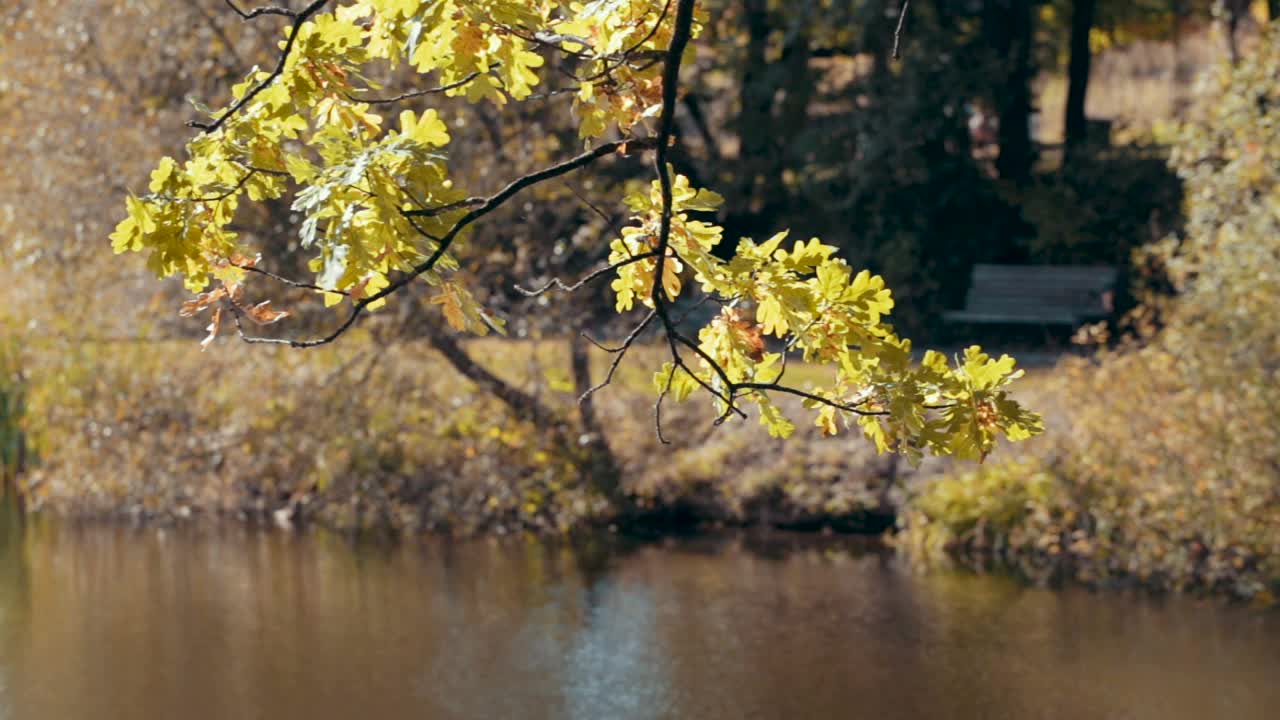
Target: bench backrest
pixel 1036 290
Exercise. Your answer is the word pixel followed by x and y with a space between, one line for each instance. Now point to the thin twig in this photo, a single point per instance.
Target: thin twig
pixel 601 345
pixel 693 308
pixel 897 33
pixel 286 281
pixel 619 354
pixel 657 406
pixel 773 387
pixel 441 209
pixel 557 283
pixel 594 208
pixel 265 10
pixel 418 93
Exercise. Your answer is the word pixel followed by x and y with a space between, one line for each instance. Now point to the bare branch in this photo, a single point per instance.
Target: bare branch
pixel 666 124
pixel 657 407
pixel 552 42
pixel 419 93
pixel 286 281
pixel 600 345
pixel 897 33
pixel 619 354
pixel 557 283
pixel 728 395
pixel 258 12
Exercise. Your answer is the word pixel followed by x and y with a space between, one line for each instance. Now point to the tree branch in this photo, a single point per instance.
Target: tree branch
pixel 418 93
pixel 257 12
pixel 487 206
pixel 441 209
pixel 619 353
pixel 670 93
pixel 897 33
pixel 774 387
pixel 557 283
pixel 299 18
pixel 286 281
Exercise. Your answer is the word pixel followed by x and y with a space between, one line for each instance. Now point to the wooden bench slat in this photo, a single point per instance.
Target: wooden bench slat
pixel 1021 319
pixel 1035 294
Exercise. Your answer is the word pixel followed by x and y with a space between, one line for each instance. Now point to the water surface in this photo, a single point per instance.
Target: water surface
pixel 115 623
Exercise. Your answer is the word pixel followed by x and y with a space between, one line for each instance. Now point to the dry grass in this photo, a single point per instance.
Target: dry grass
pixel 1139 87
pixel 363 434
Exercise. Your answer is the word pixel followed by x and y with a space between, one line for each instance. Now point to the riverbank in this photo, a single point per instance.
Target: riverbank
pixel 161 433
pixel 161 430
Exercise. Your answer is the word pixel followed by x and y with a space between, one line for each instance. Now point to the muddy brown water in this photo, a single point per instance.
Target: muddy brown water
pixel 116 623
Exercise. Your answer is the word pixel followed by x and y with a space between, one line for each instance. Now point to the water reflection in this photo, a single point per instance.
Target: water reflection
pixel 12 588
pixel 109 623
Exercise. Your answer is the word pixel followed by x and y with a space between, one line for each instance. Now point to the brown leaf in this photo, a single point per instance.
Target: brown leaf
pixel 452 308
pixel 747 334
pixel 214 324
pixel 262 313
pixel 358 291
pixel 754 340
pixel 242 261
pixel 202 301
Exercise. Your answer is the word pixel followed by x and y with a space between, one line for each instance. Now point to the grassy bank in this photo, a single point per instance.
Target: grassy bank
pixel 362 434
pixel 1145 476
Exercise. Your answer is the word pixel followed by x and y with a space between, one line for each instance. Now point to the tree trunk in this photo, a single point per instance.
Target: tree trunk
pixel 584 442
pixel 1076 129
pixel 523 405
pixel 756 105
pixel 1007 25
pixel 793 115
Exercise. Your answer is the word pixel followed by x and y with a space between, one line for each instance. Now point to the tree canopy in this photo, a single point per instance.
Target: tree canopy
pixel 379 208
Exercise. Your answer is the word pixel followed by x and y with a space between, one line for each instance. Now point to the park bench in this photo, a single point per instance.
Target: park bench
pixel 1037 295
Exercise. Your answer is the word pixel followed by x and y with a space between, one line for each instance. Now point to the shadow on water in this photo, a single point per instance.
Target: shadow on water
pixel 227 622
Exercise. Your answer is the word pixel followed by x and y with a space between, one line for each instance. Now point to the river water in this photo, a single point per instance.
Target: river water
pixel 226 622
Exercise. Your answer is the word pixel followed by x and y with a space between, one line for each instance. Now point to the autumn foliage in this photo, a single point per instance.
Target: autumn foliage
pixel 379 208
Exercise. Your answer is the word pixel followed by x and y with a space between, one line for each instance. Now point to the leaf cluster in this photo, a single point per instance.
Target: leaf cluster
pixel 379 206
